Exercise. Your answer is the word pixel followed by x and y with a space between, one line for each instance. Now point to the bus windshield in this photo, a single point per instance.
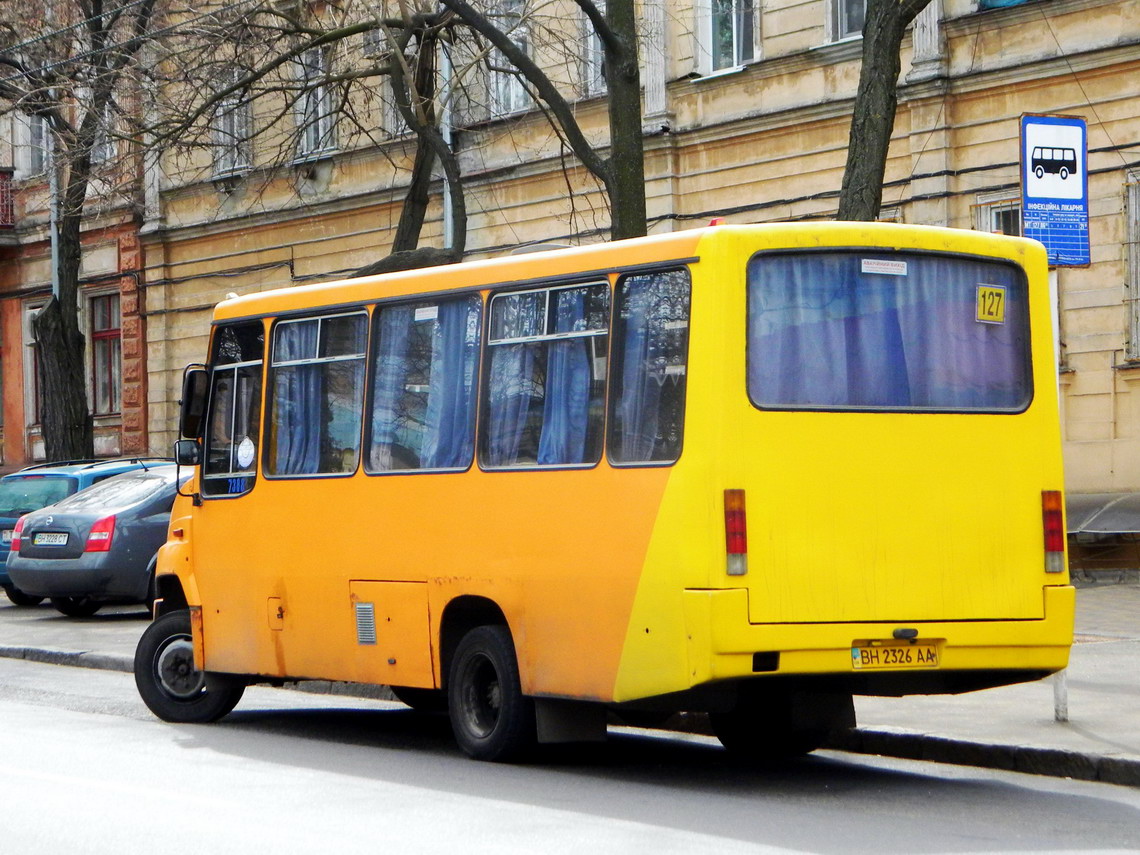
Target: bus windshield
pixel 857 330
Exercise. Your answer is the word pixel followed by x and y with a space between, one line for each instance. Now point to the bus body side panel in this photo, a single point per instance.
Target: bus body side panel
pixel 409 545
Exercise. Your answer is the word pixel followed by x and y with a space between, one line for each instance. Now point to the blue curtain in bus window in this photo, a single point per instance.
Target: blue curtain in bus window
pixel 450 424
pixel 298 393
pixel 649 384
pixel 827 330
pixel 566 405
pixel 391 371
pixel 511 390
pixel 638 407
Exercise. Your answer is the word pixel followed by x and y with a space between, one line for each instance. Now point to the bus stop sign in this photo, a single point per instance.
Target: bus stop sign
pixel 1055 187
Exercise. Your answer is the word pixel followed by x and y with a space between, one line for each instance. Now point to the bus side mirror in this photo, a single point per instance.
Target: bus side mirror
pixel 195 387
pixel 187 452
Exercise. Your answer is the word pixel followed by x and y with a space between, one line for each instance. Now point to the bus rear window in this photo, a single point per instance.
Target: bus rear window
pixel 865 330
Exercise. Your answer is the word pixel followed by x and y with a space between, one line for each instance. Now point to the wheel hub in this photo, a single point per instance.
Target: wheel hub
pixel 175 669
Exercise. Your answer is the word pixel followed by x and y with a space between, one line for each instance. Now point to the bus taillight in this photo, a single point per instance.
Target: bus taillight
pixel 735 532
pixel 1054 524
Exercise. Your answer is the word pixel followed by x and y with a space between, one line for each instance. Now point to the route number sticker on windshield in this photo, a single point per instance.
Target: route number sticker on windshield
pixel 991 304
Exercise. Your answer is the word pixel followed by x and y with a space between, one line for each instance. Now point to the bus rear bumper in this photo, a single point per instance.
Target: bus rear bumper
pixel 723 645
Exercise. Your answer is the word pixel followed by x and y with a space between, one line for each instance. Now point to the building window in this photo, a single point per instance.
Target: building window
pixel 508 93
pixel 593 57
pixel 315 111
pixel 37 145
pixel 106 355
pixel 104 145
pixel 998 214
pixel 233 125
pixel 847 18
pixel 1132 258
pixel 733 24
pixel 31 365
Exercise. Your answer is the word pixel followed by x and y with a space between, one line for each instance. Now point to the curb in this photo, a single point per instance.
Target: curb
pixel 1051 762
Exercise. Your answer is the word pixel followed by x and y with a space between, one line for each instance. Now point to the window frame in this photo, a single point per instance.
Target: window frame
pixel 375 342
pixel 746 46
pixel 617 361
pixel 1132 263
pixel 113 361
pixel 839 29
pixel 259 422
pixel 484 407
pixel 990 206
pixel 313 108
pixel 1027 349
pixel 507 93
pixel 232 130
pixel 268 447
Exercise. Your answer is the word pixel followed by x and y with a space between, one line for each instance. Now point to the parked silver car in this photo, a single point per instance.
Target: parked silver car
pixel 97 546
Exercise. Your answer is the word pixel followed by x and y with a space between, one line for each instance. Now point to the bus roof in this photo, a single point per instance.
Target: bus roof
pixel 601 258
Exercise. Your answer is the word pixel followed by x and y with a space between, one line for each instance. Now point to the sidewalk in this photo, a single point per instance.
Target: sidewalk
pixel 1006 728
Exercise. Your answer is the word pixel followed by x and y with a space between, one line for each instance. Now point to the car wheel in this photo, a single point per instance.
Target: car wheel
pixel 421 700
pixel 76 606
pixel 169 684
pixel 19 598
pixel 490 716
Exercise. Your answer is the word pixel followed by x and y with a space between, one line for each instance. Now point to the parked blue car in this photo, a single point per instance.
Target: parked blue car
pixel 44 484
pixel 98 546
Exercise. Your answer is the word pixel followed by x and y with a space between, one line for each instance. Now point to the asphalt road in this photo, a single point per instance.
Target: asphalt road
pixel 84 768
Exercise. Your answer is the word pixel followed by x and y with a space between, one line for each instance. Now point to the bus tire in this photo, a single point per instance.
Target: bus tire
pixel 762 727
pixel 169 684
pixel 19 598
pixel 421 700
pixel 1064 173
pixel 490 716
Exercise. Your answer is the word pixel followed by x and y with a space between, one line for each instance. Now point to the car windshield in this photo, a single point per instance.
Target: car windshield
pixel 124 490
pixel 21 494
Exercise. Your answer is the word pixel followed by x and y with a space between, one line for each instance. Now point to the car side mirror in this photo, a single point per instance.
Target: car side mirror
pixel 187 452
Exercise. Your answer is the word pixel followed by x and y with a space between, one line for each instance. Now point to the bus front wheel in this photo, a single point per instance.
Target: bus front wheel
pixel 490 716
pixel 168 682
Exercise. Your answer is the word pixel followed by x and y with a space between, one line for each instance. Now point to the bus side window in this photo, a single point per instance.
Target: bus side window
pixel 231 436
pixel 423 385
pixel 316 395
pixel 651 344
pixel 545 377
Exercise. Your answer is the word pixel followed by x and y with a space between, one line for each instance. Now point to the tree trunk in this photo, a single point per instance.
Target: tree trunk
pixel 64 415
pixel 626 184
pixel 874 113
pixel 64 418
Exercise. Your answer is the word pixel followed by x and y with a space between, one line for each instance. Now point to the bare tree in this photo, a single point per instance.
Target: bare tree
pixel 873 119
pixel 68 64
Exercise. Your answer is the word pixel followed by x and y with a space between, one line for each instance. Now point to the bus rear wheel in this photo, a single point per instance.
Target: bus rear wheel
pixel 490 716
pixel 772 726
pixel 169 684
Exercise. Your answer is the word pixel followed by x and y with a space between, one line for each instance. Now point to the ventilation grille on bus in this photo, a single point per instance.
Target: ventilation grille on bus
pixel 365 623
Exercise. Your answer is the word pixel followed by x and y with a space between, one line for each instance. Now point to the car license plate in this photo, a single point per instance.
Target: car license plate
pixel 868 655
pixel 50 538
pixel 6 536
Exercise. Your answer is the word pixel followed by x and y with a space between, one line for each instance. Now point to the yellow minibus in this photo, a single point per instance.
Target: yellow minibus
pixel 749 471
